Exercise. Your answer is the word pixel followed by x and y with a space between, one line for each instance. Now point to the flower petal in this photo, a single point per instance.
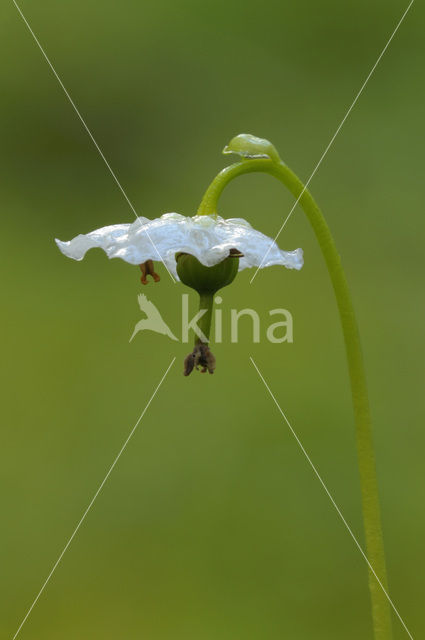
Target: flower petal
pixel 208 238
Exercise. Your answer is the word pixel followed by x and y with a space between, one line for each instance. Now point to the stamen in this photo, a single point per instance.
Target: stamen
pixel 202 357
pixel 235 253
pixel 147 269
pixel 189 363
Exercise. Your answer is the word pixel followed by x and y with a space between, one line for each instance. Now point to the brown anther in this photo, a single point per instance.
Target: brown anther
pixel 235 253
pixel 147 269
pixel 189 363
pixel 202 357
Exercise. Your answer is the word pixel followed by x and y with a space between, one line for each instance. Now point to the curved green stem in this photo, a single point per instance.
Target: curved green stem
pixel 381 611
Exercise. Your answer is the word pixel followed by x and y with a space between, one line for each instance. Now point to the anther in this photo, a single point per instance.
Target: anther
pixel 147 269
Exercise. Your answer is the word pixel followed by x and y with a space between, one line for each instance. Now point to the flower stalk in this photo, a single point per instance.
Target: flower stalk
pixel 268 163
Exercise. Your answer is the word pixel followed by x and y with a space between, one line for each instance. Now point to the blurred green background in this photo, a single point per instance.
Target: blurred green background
pixel 212 526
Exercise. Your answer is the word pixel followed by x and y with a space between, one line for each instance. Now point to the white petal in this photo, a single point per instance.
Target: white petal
pixel 207 238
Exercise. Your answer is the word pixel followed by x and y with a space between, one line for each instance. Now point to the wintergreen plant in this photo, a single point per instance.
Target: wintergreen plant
pixel 205 252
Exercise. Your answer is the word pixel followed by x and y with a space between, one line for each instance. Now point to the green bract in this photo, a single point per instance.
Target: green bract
pixel 249 146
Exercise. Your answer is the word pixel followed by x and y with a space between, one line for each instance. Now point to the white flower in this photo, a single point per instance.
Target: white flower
pixel 208 238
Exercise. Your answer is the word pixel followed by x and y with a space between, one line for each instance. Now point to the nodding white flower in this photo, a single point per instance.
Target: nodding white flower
pixel 204 252
pixel 210 239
